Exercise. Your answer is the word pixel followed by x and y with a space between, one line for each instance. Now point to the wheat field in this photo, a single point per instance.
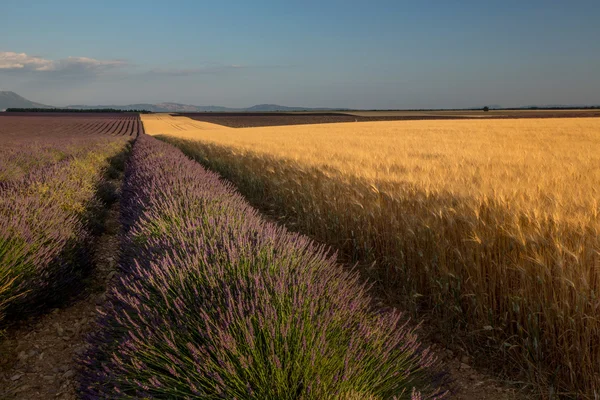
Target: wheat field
pixel 491 227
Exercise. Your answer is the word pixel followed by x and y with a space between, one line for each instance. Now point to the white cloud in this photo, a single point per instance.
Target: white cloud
pixel 11 61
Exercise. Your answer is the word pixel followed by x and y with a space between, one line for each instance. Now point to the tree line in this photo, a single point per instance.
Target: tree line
pixel 78 110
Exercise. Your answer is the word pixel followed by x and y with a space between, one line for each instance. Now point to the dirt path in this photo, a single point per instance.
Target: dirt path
pixel 470 383
pixel 37 357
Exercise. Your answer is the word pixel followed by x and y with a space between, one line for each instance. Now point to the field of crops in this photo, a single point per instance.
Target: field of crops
pixel 254 119
pixel 489 227
pixel 209 300
pixel 16 125
pixel 50 170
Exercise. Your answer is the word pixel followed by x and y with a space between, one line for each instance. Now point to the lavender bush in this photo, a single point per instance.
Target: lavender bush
pixel 214 302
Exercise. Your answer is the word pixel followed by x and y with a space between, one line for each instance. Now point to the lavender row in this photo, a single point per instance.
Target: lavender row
pixel 23 160
pixel 44 228
pixel 214 302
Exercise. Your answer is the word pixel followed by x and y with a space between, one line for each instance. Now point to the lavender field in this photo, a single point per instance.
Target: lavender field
pixel 48 184
pixel 53 193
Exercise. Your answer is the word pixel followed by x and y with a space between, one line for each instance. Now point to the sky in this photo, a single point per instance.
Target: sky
pixel 351 54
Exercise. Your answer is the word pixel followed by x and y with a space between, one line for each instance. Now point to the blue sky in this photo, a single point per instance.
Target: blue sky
pixel 377 54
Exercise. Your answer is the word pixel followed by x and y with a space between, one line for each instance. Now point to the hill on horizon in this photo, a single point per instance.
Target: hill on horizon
pixel 10 99
pixel 178 107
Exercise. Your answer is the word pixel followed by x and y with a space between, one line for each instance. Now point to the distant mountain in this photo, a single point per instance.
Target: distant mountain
pixel 178 107
pixel 12 100
pixel 275 107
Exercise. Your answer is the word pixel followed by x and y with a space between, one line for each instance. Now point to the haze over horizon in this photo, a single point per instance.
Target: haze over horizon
pixel 386 54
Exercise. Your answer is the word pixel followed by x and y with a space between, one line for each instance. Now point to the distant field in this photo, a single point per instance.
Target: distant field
pixel 17 125
pixel 491 225
pixel 482 114
pixel 247 120
pixel 72 115
pixel 43 139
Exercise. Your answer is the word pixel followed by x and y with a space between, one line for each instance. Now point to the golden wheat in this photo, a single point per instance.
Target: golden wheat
pixel 491 225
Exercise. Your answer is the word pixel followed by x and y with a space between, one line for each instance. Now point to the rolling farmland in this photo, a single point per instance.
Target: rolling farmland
pixel 299 201
pixel 200 296
pixel 489 227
